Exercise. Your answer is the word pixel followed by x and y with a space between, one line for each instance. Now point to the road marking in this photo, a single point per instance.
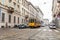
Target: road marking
pixel 56 30
pixel 50 30
pixel 44 29
pixel 47 30
pixel 39 29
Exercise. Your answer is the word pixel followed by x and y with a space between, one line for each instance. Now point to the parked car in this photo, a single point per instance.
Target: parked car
pixel 52 26
pixel 42 25
pixel 15 26
pixel 22 26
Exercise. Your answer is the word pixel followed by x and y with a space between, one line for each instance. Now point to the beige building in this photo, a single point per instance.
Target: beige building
pixel 56 12
pixel 24 10
pixel 28 11
pixel 9 13
pixel 39 14
pixel 33 10
pixel 15 12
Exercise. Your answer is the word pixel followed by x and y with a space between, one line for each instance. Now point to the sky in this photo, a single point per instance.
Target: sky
pixel 45 6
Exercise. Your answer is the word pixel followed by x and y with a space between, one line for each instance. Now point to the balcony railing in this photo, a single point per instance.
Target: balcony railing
pixel 26 16
pixel 10 9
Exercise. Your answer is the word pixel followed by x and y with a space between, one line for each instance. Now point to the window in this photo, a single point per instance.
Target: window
pixel 9 18
pixel 18 6
pixel 18 1
pixel 22 20
pixel 23 2
pixel 18 20
pixel 23 11
pixel 14 19
pixel 58 1
pixel 14 4
pixel 3 17
pixel 10 1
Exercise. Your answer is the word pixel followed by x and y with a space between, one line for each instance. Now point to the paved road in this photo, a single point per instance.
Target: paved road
pixel 43 33
pixel 16 34
pixel 47 34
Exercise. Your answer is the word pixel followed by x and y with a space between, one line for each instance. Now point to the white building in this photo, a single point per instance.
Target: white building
pixel 40 14
pixel 9 13
pixel 56 12
pixel 28 10
pixel 15 12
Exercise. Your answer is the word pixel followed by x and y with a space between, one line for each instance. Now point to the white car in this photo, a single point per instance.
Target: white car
pixel 52 27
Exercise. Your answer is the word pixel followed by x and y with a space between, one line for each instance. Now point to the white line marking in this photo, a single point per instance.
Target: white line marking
pixel 44 29
pixel 50 30
pixel 56 30
pixel 39 29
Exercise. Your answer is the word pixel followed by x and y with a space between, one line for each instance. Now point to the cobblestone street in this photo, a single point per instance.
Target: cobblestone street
pixel 47 34
pixel 29 19
pixel 16 34
pixel 43 33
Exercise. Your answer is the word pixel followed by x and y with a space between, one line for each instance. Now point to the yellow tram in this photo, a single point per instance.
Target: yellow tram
pixel 33 23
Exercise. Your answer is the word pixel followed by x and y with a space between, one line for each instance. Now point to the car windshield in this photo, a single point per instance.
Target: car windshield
pixel 53 25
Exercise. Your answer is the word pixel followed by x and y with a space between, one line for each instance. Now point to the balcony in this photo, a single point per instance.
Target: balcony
pixel 54 15
pixel 26 16
pixel 10 10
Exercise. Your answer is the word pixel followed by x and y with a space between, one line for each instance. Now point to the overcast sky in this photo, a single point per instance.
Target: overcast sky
pixel 45 6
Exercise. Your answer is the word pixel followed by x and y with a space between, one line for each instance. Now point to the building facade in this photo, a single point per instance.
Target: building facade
pixel 33 10
pixel 39 14
pixel 15 12
pixel 24 11
pixel 9 13
pixel 46 21
pixel 28 11
pixel 56 12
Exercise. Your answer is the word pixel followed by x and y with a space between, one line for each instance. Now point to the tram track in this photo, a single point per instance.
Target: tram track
pixel 34 35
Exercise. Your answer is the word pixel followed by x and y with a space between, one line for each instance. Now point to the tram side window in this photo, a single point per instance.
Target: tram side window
pixel 31 20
